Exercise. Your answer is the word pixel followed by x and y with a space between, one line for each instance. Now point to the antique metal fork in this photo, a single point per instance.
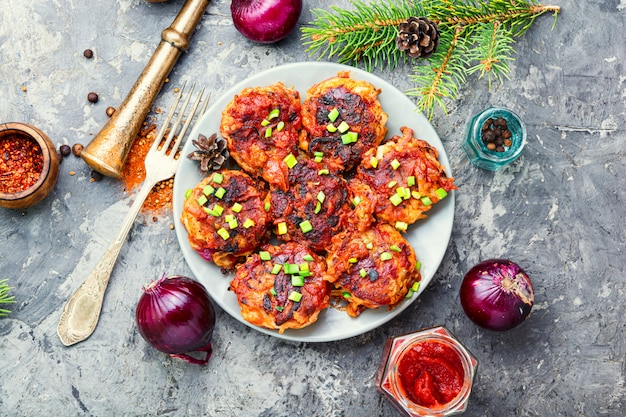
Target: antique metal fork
pixel 81 312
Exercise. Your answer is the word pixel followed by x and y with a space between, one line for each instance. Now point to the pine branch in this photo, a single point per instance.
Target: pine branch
pixel 5 298
pixel 475 36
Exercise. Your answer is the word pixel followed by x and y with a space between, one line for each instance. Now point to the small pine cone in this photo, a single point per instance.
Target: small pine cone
pixel 418 36
pixel 211 152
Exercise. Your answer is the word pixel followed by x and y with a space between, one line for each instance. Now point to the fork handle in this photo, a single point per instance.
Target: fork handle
pixel 81 312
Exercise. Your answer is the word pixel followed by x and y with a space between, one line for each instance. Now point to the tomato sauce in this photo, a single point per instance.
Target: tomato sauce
pixel 431 373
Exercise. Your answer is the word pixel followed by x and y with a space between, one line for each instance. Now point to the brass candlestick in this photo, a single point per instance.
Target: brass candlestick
pixel 107 152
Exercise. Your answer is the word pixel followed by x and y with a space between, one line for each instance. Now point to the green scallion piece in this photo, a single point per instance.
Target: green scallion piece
pixel 395 199
pixel 426 200
pixel 369 245
pixel 202 200
pixel 265 255
pixel 297 280
pixel 395 248
pixel 321 196
pixel 318 153
pixel 353 260
pixel 343 127
pixel 223 233
pixel 237 207
pixel 273 114
pixel 374 162
pixel 265 122
pixel 280 308
pixel 276 269
pixel 280 126
pixel 217 178
pixel 409 293
pixel 268 132
pixel 331 128
pixel 362 272
pixel 350 137
pixel 441 193
pixel 418 265
pixel 220 192
pixel 248 223
pixel 304 267
pixel 267 207
pixel 333 114
pixel 410 181
pixel 273 292
pixel 346 295
pixel 395 164
pixel 392 183
pixel 386 256
pixel 415 286
pixel 210 211
pixel 308 258
pixel 208 190
pixel 290 160
pixel 356 201
pixel 401 226
pixel 281 228
pixel 291 269
pixel 318 207
pixel 306 226
pixel 218 209
pixel 295 296
pixel 188 193
pixel 323 171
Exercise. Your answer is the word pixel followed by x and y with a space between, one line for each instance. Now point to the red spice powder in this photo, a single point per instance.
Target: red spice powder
pixel 134 172
pixel 21 163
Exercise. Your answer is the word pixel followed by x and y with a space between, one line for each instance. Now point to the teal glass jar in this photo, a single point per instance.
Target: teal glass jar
pixel 494 138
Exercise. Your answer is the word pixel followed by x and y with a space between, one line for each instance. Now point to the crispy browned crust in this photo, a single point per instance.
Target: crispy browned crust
pixel 202 226
pixel 264 296
pixel 364 279
pixel 242 126
pixel 375 186
pixel 358 105
pixel 319 198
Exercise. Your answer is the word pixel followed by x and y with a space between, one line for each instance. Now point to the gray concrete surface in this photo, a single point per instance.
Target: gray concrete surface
pixel 558 211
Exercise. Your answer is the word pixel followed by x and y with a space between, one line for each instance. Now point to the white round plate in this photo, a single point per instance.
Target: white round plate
pixel 429 237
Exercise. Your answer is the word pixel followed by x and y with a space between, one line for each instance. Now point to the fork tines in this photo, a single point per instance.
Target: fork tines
pixel 168 133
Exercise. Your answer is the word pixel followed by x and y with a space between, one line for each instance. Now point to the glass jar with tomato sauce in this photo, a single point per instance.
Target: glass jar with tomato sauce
pixel 426 373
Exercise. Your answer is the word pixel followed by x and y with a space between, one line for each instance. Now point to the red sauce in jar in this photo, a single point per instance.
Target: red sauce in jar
pixel 21 163
pixel 431 373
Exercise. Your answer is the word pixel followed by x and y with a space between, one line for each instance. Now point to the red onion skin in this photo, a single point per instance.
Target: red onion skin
pixel 265 21
pixel 497 294
pixel 175 315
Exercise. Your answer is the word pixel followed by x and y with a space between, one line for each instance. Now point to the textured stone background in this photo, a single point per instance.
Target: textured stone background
pixel 558 211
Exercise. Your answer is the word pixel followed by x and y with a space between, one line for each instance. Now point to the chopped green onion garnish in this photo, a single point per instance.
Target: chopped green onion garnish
pixel 410 181
pixel 395 164
pixel 362 272
pixel 385 256
pixel 353 260
pixel 210 211
pixel 290 160
pixel 276 269
pixel 441 193
pixel 318 153
pixel 223 233
pixel 305 274
pixel 318 207
pixel 188 193
pixel 229 217
pixel 369 245
pixel 343 127
pixel 265 255
pixel 401 226
pixel 415 286
pixel 306 226
pixel 395 199
pixel 295 296
pixel 426 200
pixel 273 292
pixel 374 162
pixel 237 207
pixel 220 192
pixel 331 128
pixel 333 114
pixel 321 196
pixel 273 114
pixel 202 200
pixel 218 209
pixel 280 308
pixel 392 183
pixel 291 269
pixel 208 190
pixel 346 295
pixel 297 280
pixel 265 122
pixel 218 178
pixel 323 171
pixel 248 223
pixel 349 138
pixel 268 132
pixel 418 265
pixel 266 207
pixel 409 293
pixel 308 258
pixel 281 228
pixel 304 266
pixel 416 195
pixel 356 201
pixel 395 248
pixel 280 126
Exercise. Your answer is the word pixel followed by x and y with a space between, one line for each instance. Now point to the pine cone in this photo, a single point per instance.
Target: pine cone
pixel 212 152
pixel 418 36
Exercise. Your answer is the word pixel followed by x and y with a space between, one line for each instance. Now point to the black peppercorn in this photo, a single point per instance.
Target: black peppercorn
pixel 77 148
pixel 88 53
pixel 92 97
pixel 110 110
pixel 65 150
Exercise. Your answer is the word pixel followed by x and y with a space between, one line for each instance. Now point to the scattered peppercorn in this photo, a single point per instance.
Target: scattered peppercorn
pixel 77 148
pixel 110 110
pixel 496 135
pixel 65 150
pixel 92 97
pixel 88 53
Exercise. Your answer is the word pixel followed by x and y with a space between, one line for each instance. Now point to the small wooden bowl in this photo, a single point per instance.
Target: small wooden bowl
pixel 49 173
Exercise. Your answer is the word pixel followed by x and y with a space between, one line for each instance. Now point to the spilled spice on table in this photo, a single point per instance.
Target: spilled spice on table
pixel 159 199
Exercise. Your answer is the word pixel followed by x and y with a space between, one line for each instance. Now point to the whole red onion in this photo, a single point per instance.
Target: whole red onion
pixel 497 294
pixel 265 21
pixel 175 315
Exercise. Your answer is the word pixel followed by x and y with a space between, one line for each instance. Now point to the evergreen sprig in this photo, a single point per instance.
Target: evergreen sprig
pixel 476 37
pixel 4 297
